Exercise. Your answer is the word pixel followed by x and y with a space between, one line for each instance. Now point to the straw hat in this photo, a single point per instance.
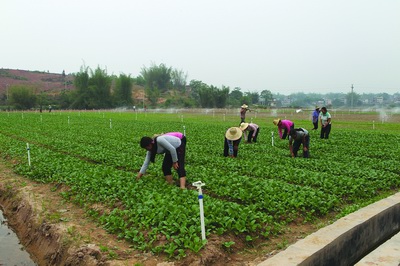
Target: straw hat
pixel 276 121
pixel 233 133
pixel 243 126
pixel 245 106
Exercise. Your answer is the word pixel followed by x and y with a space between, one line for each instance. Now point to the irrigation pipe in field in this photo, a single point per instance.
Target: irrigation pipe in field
pixel 29 154
pixel 199 184
pixel 272 138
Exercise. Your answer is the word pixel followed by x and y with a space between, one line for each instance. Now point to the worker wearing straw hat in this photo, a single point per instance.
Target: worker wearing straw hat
pixel 243 109
pixel 285 126
pixel 233 136
pixel 252 130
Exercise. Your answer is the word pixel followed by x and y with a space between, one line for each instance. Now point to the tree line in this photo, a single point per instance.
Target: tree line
pixel 161 86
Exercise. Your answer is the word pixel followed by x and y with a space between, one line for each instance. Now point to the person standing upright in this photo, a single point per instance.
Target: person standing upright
pixel 315 118
pixel 326 123
pixel 243 109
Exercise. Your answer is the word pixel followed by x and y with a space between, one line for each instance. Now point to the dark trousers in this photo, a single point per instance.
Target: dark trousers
pixel 297 144
pixel 167 163
pixel 235 147
pixel 250 135
pixel 286 133
pixel 325 131
pixel 315 125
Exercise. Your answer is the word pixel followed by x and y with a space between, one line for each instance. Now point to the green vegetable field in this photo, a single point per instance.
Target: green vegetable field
pixel 96 156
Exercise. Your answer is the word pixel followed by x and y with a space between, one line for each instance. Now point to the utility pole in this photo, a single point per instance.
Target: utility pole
pixel 352 87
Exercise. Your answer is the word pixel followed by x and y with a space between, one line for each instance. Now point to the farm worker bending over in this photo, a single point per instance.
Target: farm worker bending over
pixel 286 125
pixel 326 125
pixel 233 136
pixel 252 129
pixel 243 109
pixel 173 144
pixel 297 137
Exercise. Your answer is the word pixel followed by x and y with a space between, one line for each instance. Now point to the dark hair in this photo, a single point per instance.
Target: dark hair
pixel 145 141
pixel 324 108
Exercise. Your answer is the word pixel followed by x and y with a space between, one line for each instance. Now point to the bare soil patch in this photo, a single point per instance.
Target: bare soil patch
pixel 56 232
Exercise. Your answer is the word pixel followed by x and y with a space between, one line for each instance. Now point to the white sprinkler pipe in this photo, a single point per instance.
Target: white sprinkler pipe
pixel 272 138
pixel 29 154
pixel 110 123
pixel 184 130
pixel 199 184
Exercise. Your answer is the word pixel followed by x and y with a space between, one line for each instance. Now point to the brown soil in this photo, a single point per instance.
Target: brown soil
pixel 56 232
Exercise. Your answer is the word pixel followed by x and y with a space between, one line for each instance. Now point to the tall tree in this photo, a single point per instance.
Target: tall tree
pixel 266 96
pixel 81 83
pixel 196 86
pixel 206 97
pixel 157 80
pixel 100 84
pixel 94 90
pixel 235 97
pixel 179 78
pixel 253 96
pixel 123 90
pixel 157 77
pixel 221 97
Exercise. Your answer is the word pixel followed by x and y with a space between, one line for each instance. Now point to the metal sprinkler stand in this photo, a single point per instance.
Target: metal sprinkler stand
pixel 198 185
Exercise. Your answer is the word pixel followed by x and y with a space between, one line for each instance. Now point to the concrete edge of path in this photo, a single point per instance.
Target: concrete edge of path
pixel 347 240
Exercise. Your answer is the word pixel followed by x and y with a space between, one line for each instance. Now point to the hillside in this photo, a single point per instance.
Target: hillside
pixel 51 83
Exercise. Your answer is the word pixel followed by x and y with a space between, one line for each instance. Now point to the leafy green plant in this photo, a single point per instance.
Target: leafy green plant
pixel 96 165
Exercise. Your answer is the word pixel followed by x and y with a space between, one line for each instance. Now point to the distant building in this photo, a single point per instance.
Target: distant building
pixel 286 102
pixel 378 100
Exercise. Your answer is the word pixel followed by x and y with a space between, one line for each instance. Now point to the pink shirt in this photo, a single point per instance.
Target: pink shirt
pixel 286 124
pixel 175 134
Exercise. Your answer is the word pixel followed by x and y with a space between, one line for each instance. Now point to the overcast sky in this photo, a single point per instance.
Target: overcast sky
pixel 284 46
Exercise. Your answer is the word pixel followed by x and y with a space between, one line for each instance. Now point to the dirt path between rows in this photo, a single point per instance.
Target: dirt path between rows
pixel 56 232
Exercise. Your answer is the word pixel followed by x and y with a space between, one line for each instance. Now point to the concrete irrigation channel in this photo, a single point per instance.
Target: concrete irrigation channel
pixel 369 236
